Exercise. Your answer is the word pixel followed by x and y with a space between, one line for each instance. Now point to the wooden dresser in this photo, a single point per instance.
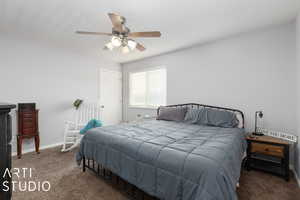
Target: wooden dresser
pixel 268 154
pixel 5 148
pixel 27 126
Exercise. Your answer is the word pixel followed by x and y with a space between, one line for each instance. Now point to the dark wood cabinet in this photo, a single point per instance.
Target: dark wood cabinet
pixel 5 149
pixel 27 126
pixel 268 154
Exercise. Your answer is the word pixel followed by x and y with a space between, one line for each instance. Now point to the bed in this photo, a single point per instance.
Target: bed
pixel 170 160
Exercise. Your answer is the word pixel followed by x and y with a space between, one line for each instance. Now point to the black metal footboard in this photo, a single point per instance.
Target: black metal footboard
pixel 117 182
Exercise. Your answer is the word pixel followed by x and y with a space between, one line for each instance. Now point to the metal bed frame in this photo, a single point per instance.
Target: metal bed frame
pixel 127 189
pixel 198 106
pixel 131 190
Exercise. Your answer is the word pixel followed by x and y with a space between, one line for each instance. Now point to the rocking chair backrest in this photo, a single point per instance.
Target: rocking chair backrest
pixel 86 112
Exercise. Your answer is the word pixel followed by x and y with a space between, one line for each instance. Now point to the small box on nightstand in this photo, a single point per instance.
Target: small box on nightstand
pixel 268 154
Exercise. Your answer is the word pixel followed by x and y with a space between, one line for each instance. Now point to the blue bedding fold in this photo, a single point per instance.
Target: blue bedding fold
pixel 170 160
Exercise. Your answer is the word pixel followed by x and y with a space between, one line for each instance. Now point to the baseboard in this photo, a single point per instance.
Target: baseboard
pixel 295 174
pixel 297 177
pixel 41 148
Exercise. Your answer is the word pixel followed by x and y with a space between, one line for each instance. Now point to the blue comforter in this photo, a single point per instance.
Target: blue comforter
pixel 170 160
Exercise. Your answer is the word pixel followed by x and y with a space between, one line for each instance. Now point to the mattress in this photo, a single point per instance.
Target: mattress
pixel 170 160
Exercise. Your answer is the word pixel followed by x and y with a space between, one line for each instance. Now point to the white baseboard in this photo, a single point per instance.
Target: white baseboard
pixel 41 148
pixel 297 177
pixel 295 174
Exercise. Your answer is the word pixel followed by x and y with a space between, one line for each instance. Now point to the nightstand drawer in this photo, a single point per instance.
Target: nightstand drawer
pixel 267 149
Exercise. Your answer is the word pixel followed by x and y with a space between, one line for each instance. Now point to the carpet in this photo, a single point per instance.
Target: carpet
pixel 68 182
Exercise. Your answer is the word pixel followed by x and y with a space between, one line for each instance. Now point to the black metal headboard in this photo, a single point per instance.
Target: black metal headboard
pixel 196 105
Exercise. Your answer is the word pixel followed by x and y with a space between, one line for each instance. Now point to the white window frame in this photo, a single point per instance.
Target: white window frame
pixel 129 86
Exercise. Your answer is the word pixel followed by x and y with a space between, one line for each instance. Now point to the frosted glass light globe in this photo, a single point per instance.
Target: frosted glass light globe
pixel 125 49
pixel 109 46
pixel 131 44
pixel 116 41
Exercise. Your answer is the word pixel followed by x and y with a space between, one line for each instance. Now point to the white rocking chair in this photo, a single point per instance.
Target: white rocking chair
pixel 83 115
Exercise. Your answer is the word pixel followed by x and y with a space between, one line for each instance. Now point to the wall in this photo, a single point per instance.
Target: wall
pixel 252 71
pixel 49 76
pixel 297 155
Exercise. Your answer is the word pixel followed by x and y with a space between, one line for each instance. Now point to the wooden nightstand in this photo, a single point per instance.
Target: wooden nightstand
pixel 268 154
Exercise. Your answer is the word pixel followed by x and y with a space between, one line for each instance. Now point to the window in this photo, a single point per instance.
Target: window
pixel 148 88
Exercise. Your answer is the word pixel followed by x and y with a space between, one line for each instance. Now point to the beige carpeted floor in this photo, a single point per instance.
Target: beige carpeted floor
pixel 68 182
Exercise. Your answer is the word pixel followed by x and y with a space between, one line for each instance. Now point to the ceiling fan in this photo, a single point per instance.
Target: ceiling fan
pixel 121 35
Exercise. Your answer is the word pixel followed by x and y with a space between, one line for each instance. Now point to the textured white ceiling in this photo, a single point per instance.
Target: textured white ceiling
pixel 183 23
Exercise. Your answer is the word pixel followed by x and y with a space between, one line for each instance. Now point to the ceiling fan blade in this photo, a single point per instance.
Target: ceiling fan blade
pixel 140 47
pixel 145 34
pixel 93 33
pixel 117 21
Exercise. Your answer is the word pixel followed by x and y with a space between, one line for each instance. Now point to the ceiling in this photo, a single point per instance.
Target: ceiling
pixel 182 23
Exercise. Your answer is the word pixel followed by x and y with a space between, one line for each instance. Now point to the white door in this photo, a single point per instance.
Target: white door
pixel 110 86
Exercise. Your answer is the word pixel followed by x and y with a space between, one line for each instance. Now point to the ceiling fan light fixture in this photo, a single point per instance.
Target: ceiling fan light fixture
pixel 131 44
pixel 109 46
pixel 125 49
pixel 121 35
pixel 116 41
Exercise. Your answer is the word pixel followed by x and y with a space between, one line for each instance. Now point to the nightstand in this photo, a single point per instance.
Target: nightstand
pixel 268 154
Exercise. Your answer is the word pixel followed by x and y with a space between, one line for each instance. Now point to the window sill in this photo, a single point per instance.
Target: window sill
pixel 143 107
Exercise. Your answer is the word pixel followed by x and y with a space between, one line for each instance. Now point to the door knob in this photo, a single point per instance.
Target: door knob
pixel 102 106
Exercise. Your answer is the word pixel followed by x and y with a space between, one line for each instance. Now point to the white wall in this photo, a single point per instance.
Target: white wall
pixel 49 76
pixel 297 155
pixel 252 71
